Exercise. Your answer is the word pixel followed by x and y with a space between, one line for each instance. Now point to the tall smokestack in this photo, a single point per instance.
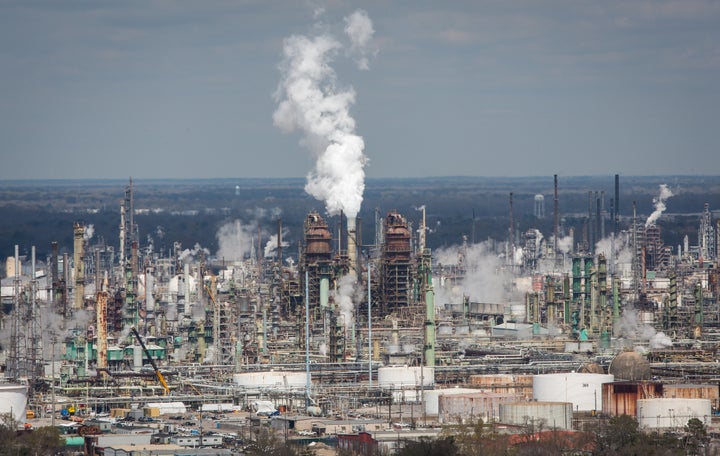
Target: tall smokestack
pixel 279 243
pixel 352 244
pixel 616 218
pixel 79 267
pixel 101 327
pixel 512 232
pixel 556 217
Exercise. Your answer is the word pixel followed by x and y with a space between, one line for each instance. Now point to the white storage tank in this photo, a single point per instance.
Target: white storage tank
pixel 271 380
pixel 405 377
pixel 13 398
pixel 672 412
pixel 583 390
pixel 554 415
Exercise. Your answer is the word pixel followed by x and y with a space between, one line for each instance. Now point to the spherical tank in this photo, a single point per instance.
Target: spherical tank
pixel 630 365
pixel 584 391
pixel 672 412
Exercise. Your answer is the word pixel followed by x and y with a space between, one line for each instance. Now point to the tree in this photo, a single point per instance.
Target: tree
pixel 476 438
pixel 697 436
pixel 444 446
pixel 43 440
pixel 267 443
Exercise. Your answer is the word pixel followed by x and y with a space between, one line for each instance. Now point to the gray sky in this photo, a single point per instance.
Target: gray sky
pixel 184 89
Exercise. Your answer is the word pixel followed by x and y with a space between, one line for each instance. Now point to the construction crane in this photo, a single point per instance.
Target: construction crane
pixel 159 374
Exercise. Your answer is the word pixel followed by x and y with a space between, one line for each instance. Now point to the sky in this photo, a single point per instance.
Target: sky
pixel 189 89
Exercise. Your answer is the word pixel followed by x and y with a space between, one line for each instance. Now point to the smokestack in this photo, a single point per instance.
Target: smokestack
pixel 556 217
pixel 79 267
pixel 279 243
pixel 101 327
pixel 598 215
pixel 55 272
pixel 512 232
pixel 352 244
pixel 66 281
pixel 616 218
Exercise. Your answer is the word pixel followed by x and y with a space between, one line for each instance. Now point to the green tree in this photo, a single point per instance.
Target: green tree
pixel 443 446
pixel 696 436
pixel 43 440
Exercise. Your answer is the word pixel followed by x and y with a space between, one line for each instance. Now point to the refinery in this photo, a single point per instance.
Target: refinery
pixel 347 338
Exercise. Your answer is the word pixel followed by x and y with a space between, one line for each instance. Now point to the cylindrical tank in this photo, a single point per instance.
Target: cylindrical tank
pixel 282 381
pixel 137 357
pixel 432 397
pixel 672 412
pixel 13 398
pixel 584 391
pixel 556 415
pixel 405 377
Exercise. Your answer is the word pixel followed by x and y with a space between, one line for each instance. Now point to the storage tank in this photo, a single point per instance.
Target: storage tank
pixel 271 380
pixel 555 415
pixel 432 397
pixel 584 391
pixel 672 412
pixel 405 382
pixel 405 377
pixel 630 365
pixel 13 398
pixel 469 407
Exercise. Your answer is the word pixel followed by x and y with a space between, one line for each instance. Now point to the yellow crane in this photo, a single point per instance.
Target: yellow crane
pixel 159 374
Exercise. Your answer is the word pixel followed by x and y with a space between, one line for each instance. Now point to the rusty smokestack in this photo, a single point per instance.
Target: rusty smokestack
pixel 352 244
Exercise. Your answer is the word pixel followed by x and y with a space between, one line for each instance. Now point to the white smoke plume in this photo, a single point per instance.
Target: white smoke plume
pixel 564 244
pixel 632 328
pixel 359 28
pixel 235 240
pixel 621 255
pixel 659 202
pixel 486 279
pixel 345 297
pixel 272 245
pixel 89 231
pixel 263 213
pixel 188 255
pixel 310 100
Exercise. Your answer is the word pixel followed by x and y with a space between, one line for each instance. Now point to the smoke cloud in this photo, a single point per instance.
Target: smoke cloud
pixel 359 28
pixel 271 246
pixel 89 231
pixel 486 279
pixel 188 255
pixel 659 202
pixel 345 298
pixel 632 328
pixel 235 240
pixel 310 100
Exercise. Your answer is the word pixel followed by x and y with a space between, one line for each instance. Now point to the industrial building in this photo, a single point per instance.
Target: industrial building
pixel 367 329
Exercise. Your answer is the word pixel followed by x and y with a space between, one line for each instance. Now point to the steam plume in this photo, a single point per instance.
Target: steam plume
pixel 659 202
pixel 89 231
pixel 310 100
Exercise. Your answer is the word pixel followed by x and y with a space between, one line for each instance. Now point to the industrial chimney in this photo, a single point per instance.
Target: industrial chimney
pixel 352 244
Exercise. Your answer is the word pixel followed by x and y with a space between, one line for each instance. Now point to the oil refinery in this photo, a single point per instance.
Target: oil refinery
pixel 342 336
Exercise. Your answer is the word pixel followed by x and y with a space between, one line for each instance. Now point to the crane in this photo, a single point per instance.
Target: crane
pixel 159 374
